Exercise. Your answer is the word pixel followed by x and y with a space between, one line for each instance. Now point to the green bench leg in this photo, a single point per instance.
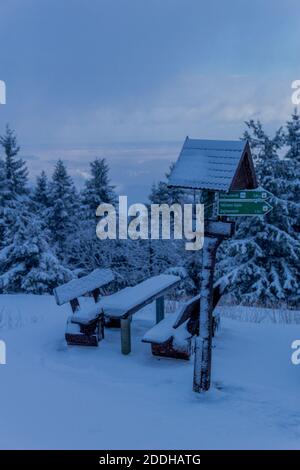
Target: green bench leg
pixel 160 309
pixel 125 335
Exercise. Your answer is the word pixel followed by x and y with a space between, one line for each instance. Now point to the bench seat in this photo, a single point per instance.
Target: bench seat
pixel 168 341
pixel 76 337
pixel 85 315
pixel 172 337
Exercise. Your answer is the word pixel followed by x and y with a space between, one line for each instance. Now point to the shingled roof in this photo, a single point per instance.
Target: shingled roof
pixel 218 165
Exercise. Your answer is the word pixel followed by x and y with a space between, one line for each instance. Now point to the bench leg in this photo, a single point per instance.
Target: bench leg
pixel 125 335
pixel 160 309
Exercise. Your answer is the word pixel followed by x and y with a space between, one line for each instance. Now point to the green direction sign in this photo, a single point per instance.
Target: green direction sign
pixel 260 194
pixel 235 208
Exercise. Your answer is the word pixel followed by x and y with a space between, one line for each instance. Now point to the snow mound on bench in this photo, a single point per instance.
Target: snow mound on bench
pixel 86 314
pixel 118 304
pixel 164 331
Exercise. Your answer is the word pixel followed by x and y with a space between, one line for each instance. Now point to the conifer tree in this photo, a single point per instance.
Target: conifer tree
pixel 63 207
pixel 27 263
pixel 15 169
pixel 41 191
pixel 162 193
pixel 260 265
pixel 98 188
pixel 292 157
pixel 13 179
pixel 292 137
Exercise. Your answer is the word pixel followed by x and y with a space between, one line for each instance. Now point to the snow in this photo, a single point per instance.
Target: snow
pixel 162 331
pixel 219 228
pixel 77 287
pixel 260 314
pixel 86 313
pixel 56 397
pixel 72 328
pixel 207 164
pixel 119 304
pixel 181 336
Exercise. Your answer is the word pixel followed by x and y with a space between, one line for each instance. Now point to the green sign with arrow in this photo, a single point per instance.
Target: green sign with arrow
pixel 243 208
pixel 260 194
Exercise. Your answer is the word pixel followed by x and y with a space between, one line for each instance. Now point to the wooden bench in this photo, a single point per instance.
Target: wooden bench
pixel 123 304
pixel 173 336
pixel 86 325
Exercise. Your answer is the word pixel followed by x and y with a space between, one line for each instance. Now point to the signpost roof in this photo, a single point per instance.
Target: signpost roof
pixel 217 165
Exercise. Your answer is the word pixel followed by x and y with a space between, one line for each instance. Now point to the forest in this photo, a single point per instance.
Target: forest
pixel 48 228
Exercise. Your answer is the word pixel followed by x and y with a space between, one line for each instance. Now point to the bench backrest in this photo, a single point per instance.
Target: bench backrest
pixel 77 287
pixel 189 311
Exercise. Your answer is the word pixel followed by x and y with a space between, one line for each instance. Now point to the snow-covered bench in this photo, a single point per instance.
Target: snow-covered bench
pixel 172 337
pixel 123 304
pixel 86 325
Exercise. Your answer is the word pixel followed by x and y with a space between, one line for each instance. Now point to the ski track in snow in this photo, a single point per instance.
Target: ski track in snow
pixel 56 397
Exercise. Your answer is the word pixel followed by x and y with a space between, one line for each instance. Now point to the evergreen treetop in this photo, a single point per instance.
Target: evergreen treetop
pixel 15 170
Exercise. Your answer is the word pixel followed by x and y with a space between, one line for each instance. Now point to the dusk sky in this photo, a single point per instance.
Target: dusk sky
pixel 129 79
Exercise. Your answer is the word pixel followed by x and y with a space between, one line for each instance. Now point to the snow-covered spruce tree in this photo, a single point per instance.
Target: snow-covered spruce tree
pixel 292 157
pixel 292 137
pixel 3 196
pixel 161 251
pixel 97 188
pixel 260 265
pixel 162 193
pixel 27 261
pixel 13 179
pixel 85 251
pixel 15 169
pixel 40 195
pixel 162 255
pixel 63 208
pixel 4 193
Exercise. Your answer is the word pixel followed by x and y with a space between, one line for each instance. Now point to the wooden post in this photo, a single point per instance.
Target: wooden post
pixel 203 343
pixel 96 294
pixel 160 309
pixel 125 335
pixel 74 305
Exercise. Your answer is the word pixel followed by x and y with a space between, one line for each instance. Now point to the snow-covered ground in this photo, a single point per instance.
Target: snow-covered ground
pixel 54 396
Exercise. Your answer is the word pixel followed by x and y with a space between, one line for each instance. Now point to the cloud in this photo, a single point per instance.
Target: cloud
pixel 140 142
pixel 83 174
pixel 198 105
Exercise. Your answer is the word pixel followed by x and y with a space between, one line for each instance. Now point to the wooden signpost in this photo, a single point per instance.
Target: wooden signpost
pixel 215 232
pixel 231 204
pixel 224 173
pixel 203 342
